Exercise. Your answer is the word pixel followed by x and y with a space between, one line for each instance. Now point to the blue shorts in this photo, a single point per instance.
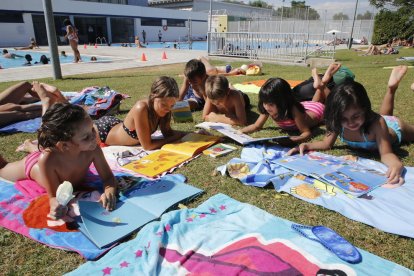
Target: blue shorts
pixel 392 122
pixel 228 68
pixel 190 96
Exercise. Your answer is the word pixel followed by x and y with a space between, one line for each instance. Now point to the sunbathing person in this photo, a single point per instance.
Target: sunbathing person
pixel 31 46
pixel 226 70
pixel 17 103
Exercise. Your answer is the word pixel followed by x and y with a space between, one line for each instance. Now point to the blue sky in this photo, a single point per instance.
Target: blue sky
pixel 332 7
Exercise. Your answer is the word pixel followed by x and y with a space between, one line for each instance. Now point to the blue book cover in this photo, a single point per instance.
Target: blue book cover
pixel 137 208
pixel 349 176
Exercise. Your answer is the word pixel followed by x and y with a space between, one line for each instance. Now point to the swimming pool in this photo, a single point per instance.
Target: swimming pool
pixel 19 61
pixel 196 45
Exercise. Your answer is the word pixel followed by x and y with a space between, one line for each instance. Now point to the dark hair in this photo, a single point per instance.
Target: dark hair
pixel 28 57
pixel 342 97
pixel 194 68
pixel 59 123
pixel 277 91
pixel 5 51
pixel 67 22
pixel 217 87
pixel 44 59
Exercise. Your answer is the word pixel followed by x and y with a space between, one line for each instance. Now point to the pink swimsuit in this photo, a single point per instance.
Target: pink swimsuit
pixel 30 161
pixel 316 107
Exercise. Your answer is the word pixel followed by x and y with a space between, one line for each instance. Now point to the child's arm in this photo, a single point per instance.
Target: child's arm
pixel 258 125
pixel 108 197
pixel 388 157
pixel 183 89
pixel 208 108
pixel 48 179
pixel 303 127
pixel 144 133
pixel 327 143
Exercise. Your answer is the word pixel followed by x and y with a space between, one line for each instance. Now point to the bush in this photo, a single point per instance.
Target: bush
pixel 390 24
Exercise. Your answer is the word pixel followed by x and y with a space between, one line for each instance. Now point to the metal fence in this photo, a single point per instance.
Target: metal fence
pixel 283 47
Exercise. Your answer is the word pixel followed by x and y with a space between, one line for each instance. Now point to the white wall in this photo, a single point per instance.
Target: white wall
pixel 18 34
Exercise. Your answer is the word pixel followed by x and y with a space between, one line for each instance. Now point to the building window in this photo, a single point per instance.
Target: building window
pixel 11 17
pixel 176 23
pixel 151 22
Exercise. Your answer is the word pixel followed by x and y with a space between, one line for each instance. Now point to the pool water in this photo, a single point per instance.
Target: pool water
pixel 19 61
pixel 196 45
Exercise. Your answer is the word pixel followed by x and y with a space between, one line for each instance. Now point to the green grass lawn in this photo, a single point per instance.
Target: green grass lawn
pixel 22 256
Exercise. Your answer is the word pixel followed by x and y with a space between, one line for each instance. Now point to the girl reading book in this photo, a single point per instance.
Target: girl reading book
pixel 143 119
pixel 348 114
pixel 67 147
pixel 276 100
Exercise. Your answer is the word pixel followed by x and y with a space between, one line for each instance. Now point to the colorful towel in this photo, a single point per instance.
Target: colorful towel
pixel 390 210
pixel 254 86
pixel 26 214
pixel 225 237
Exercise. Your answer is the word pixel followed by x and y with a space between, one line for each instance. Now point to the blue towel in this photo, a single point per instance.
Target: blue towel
pixel 390 210
pixel 225 237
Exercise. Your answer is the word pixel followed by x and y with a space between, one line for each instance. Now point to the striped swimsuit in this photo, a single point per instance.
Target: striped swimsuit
pixel 316 107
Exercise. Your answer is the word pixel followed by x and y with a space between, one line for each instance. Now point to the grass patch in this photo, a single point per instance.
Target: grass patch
pixel 21 256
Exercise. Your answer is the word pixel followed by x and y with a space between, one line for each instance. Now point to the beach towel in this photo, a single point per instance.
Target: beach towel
pixel 99 101
pixel 225 237
pixel 24 212
pixel 254 86
pixel 389 210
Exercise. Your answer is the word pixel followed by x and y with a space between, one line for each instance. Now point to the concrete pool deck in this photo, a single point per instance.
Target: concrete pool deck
pixel 121 58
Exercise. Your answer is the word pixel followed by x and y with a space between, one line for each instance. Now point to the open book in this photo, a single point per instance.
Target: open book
pixel 172 155
pixel 349 176
pixel 234 134
pixel 139 207
pixel 181 112
pixel 219 150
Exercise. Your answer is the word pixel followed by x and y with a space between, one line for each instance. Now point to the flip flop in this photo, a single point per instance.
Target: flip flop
pixel 332 241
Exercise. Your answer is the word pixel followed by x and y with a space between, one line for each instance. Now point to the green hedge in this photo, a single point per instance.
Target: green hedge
pixel 390 24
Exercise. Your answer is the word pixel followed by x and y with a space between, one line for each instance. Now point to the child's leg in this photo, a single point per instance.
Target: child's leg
pixel 210 69
pixel 319 84
pixel 387 106
pixel 8 117
pixel 12 171
pixel 407 132
pixel 15 94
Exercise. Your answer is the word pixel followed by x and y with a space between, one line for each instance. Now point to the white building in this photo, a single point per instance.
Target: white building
pixel 116 20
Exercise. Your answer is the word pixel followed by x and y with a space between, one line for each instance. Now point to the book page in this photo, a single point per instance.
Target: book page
pixel 104 228
pixel 191 144
pixel 156 163
pixel 160 196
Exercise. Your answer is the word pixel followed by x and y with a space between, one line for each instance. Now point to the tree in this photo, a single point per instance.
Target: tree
pixel 396 3
pixel 367 15
pixel 340 16
pixel 297 10
pixel 390 24
pixel 259 4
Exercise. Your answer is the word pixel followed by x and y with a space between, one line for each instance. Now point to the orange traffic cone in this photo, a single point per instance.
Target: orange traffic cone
pixel 143 57
pixel 84 46
pixel 164 55
pixel 96 45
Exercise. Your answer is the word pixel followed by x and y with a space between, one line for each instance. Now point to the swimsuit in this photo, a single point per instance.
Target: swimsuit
pixel 316 107
pixel 105 124
pixel 131 133
pixel 228 68
pixel 191 96
pixel 391 121
pixel 30 161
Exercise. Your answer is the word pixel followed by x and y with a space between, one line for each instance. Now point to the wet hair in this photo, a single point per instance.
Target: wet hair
pixel 342 97
pixel 194 68
pixel 28 57
pixel 44 59
pixel 63 53
pixel 67 22
pixel 93 58
pixel 59 124
pixel 278 92
pixel 217 87
pixel 5 51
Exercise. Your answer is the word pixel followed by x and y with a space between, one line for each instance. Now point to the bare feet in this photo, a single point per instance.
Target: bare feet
pixel 28 146
pixel 317 82
pixel 56 92
pixel 46 98
pixel 330 72
pixel 396 76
